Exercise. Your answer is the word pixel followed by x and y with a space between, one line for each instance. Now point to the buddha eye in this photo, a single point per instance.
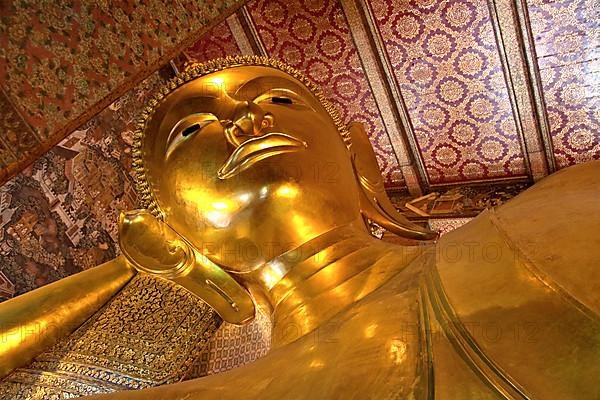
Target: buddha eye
pixel 281 96
pixel 190 130
pixel 181 131
pixel 281 100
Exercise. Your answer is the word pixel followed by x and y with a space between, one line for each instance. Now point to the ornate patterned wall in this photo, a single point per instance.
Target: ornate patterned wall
pixel 59 216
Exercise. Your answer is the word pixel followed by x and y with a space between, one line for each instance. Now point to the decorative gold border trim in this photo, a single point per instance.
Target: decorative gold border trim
pixel 194 71
pixel 498 182
pixel 250 31
pixel 509 81
pixel 371 60
pixel 535 80
pixel 508 180
pixel 517 76
pixel 240 36
pixel 399 105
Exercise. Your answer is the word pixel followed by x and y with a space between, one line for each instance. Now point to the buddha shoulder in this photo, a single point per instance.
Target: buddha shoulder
pixel 522 279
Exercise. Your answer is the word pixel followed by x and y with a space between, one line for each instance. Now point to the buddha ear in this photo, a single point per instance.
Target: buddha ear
pixel 374 202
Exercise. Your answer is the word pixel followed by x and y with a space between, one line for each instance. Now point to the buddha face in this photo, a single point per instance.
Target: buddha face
pixel 246 164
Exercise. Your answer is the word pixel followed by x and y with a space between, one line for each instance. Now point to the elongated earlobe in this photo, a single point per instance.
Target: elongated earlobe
pixel 153 247
pixel 374 202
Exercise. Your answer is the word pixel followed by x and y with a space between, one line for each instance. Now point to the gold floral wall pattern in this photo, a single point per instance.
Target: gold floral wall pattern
pixel 62 62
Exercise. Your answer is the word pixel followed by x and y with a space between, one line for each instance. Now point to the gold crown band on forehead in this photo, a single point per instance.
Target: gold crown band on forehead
pixel 197 70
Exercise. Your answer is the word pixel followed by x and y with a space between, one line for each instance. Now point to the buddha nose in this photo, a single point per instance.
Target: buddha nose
pixel 248 120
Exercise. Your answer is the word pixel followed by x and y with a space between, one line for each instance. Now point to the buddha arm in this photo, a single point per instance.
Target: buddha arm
pixel 32 322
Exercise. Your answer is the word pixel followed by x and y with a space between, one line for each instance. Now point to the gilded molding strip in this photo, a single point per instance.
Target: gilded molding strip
pixel 251 33
pixel 521 96
pixel 240 35
pixel 376 77
pixel 465 345
pixel 535 82
pixel 425 362
pixel 500 180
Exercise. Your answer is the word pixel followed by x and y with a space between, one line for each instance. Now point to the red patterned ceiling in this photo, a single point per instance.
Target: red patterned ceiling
pixel 448 70
pixel 567 35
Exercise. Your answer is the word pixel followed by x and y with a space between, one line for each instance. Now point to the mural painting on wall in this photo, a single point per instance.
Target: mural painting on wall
pixel 59 215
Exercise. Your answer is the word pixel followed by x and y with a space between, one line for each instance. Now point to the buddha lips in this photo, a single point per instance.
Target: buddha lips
pixel 256 149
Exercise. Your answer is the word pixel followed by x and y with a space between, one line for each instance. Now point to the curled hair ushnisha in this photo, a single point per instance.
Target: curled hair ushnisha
pixel 197 70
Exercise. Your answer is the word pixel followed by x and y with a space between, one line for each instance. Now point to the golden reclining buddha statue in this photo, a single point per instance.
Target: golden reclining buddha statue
pixel 257 198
